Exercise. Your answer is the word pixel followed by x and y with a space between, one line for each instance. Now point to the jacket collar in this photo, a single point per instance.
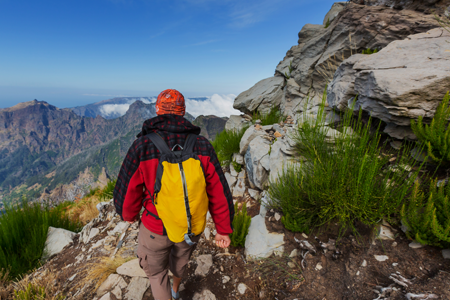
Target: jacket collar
pixel 169 123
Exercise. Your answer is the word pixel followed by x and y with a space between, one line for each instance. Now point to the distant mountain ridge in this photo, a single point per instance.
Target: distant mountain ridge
pixel 115 107
pixel 36 138
pixel 43 147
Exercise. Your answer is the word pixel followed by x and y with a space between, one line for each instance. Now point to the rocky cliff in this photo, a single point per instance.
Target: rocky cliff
pixel 419 67
pixel 37 139
pixel 210 125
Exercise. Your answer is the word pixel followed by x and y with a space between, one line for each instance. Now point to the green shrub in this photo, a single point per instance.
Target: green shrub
pixel 107 192
pixel 328 23
pixel 435 138
pixel 344 181
pixel 241 223
pixel 23 232
pixel 237 167
pixel 290 71
pixel 227 143
pixel 272 117
pixel 369 51
pixel 428 216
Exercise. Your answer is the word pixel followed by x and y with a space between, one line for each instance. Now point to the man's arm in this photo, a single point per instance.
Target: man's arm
pixel 128 191
pixel 220 200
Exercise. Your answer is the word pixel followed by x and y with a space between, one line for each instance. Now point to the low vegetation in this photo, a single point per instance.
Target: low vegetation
pixel 23 232
pixel 345 178
pixel 369 51
pixel 227 143
pixel 274 116
pixel 435 137
pixel 427 215
pixel 241 223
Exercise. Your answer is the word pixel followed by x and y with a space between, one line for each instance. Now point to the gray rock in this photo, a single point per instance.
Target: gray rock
pixel 226 279
pixel 204 263
pixel 207 233
pixel 254 193
pixel 446 253
pixel 257 162
pixel 242 288
pixel 117 291
pixel 381 257
pixel 415 245
pixel 240 187
pixel 233 171
pixel 236 123
pixel 204 295
pixel 112 281
pixel 262 96
pixel 364 263
pixel 106 296
pixel 279 160
pixel 396 145
pixel 294 253
pixel 259 242
pixel 238 158
pixel 403 81
pixel 119 229
pixel 385 233
pixel 137 288
pixel 250 134
pixel 336 8
pixel 230 179
pixel 57 239
pixel 131 269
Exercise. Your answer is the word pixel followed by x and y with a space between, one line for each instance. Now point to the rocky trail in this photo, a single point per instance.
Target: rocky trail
pixel 378 265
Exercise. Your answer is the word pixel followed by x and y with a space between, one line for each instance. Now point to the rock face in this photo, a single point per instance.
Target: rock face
pixel 210 125
pixel 57 239
pixel 405 80
pixel 260 243
pixel 320 50
pixel 261 96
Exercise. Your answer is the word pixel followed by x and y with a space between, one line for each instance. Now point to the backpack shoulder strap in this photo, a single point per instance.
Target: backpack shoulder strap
pixel 159 143
pixel 190 143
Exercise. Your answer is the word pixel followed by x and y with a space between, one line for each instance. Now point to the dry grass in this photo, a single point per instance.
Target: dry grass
pixel 84 209
pixel 42 287
pixel 99 271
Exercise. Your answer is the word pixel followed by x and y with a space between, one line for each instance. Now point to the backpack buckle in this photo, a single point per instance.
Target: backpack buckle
pixel 187 238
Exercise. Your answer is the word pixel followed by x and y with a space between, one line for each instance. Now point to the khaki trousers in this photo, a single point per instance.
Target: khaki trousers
pixel 157 255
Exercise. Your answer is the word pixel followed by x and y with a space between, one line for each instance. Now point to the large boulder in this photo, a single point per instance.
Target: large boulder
pixel 262 96
pixel 57 239
pixel 320 50
pixel 405 80
pixel 249 135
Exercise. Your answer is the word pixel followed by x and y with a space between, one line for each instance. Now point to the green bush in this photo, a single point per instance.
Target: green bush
pixel 345 181
pixel 107 192
pixel 227 143
pixel 435 138
pixel 428 216
pixel 369 51
pixel 272 117
pixel 241 223
pixel 23 232
pixel 327 24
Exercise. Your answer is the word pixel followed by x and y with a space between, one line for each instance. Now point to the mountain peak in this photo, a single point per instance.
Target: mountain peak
pixel 23 105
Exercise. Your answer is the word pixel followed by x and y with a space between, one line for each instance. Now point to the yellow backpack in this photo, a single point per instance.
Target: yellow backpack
pixel 180 194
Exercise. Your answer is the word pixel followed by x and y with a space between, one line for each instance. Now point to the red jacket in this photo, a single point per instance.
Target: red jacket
pixel 139 170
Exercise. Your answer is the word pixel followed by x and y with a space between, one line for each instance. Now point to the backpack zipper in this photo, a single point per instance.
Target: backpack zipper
pixel 186 198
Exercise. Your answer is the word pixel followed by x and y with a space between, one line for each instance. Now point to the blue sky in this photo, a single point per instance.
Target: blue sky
pixel 75 52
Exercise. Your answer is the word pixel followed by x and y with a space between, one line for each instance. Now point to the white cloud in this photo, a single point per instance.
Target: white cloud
pixel 114 110
pixel 103 95
pixel 218 105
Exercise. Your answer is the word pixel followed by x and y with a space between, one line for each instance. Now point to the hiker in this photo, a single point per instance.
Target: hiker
pixel 169 156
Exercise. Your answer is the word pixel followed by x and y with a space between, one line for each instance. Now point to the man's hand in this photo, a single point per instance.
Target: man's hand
pixel 223 241
pixel 135 219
